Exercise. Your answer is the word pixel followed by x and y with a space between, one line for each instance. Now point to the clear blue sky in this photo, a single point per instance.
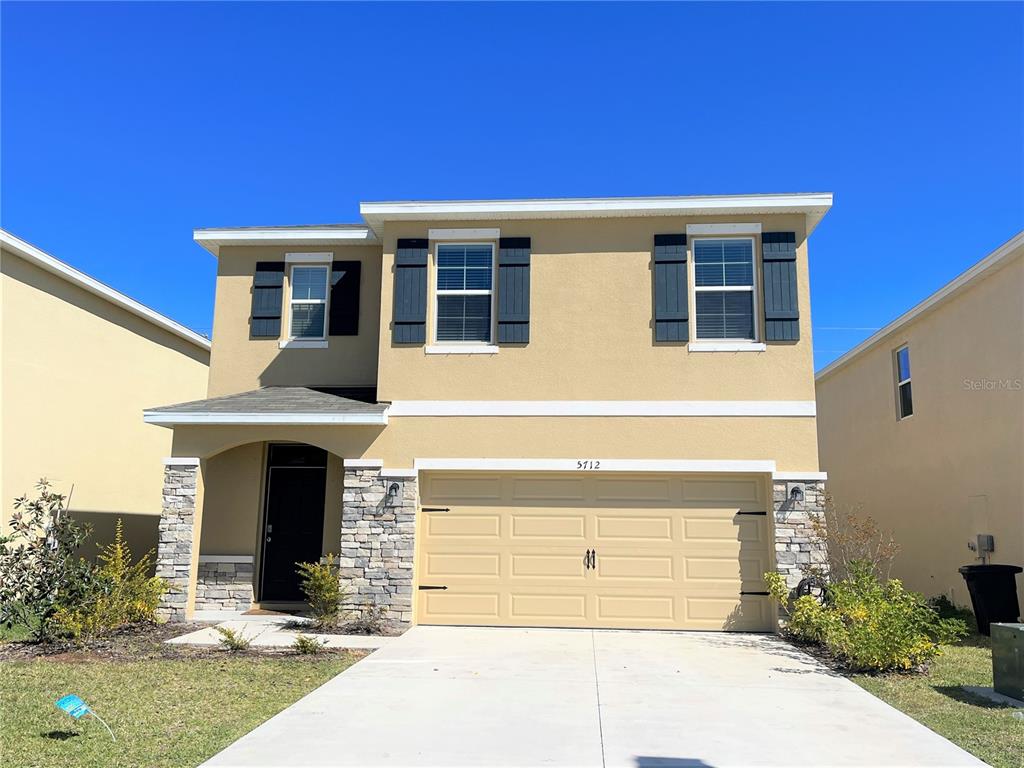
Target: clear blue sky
pixel 124 126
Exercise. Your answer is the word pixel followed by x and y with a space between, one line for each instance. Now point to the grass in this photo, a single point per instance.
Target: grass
pixel 164 712
pixel 986 730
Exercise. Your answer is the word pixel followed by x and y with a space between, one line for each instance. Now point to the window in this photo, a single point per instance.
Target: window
pixel 724 288
pixel 465 288
pixel 904 398
pixel 308 301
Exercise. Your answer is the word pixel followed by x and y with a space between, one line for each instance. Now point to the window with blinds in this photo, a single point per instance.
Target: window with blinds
pixel 465 292
pixel 724 288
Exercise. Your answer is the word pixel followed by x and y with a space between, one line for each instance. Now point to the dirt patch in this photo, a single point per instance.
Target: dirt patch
pixel 137 644
pixel 341 629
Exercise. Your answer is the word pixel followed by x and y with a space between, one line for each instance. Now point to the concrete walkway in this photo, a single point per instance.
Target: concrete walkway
pixel 454 696
pixel 275 632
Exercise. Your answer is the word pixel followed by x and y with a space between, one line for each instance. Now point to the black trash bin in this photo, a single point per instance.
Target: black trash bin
pixel 993 591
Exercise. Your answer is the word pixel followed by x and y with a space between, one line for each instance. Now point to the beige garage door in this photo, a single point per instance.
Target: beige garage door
pixel 669 551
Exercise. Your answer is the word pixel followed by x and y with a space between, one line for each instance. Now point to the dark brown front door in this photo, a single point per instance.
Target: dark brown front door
pixel 293 527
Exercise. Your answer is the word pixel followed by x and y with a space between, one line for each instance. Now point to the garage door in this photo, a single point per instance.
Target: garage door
pixel 591 550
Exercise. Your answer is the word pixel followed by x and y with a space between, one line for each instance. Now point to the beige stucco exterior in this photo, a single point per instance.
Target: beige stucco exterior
pixel 955 468
pixel 591 339
pixel 77 370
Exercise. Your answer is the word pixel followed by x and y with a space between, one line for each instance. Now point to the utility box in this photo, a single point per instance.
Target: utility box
pixel 1008 660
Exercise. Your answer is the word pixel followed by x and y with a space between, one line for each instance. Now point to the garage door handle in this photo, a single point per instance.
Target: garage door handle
pixel 590 559
pixel 593 558
pixel 586 560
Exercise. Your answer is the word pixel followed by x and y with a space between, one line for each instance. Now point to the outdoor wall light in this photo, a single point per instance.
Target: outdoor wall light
pixel 796 494
pixel 391 494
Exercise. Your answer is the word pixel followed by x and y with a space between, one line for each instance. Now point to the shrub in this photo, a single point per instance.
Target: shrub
pixel 305 644
pixel 118 594
pixel 868 624
pixel 372 620
pixel 850 536
pixel 233 641
pixel 39 567
pixel 321 584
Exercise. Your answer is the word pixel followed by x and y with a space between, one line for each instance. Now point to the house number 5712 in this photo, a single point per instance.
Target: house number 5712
pixel 588 464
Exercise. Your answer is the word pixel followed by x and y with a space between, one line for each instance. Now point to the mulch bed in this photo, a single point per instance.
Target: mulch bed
pixel 137 643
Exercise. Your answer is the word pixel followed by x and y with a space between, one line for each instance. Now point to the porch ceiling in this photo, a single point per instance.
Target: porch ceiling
pixel 277 405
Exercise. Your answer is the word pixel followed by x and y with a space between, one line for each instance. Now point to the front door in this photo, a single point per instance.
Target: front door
pixel 293 527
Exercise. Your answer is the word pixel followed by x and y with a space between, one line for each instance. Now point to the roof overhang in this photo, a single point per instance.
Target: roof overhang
pixel 947 292
pixel 57 267
pixel 176 418
pixel 213 239
pixel 814 205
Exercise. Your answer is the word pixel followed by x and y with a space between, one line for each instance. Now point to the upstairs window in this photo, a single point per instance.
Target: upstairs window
pixel 308 301
pixel 465 292
pixel 904 397
pixel 724 288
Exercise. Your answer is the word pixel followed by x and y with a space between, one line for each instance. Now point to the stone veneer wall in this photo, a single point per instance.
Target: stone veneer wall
pixel 174 543
pixel 378 540
pixel 224 586
pixel 796 545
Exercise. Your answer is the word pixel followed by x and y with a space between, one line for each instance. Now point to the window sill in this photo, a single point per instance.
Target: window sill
pixel 459 349
pixel 727 346
pixel 302 344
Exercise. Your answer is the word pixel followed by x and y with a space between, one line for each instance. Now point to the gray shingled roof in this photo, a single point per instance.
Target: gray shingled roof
pixel 283 400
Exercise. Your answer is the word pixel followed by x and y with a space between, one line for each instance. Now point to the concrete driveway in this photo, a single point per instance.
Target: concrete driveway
pixel 456 696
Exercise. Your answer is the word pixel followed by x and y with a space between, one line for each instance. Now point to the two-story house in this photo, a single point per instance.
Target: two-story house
pixel 573 413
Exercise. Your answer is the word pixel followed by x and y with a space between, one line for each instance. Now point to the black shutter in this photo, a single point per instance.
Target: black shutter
pixel 671 310
pixel 514 290
pixel 344 318
pixel 778 268
pixel 267 293
pixel 409 318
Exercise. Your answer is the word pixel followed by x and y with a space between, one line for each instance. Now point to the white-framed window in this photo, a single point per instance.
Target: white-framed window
pixel 308 301
pixel 724 289
pixel 904 396
pixel 464 293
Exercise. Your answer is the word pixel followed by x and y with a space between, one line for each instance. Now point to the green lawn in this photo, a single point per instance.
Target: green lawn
pixel 987 730
pixel 164 711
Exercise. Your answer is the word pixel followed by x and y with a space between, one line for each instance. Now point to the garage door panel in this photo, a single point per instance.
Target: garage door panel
pixel 445 525
pixel 671 552
pixel 463 488
pixel 553 526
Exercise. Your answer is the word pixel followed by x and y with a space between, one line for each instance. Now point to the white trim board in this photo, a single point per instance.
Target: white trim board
pixel 322 257
pixel 363 463
pixel 948 291
pixel 213 239
pixel 489 233
pixel 57 267
pixel 722 229
pixel 400 408
pixel 598 464
pixel 172 418
pixel 179 461
pixel 226 558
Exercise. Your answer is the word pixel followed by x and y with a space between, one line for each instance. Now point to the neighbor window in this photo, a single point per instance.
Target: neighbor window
pixel 465 287
pixel 904 398
pixel 308 301
pixel 724 288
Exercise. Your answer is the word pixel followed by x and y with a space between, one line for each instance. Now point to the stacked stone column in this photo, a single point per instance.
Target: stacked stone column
pixel 378 521
pixel 174 545
pixel 797 546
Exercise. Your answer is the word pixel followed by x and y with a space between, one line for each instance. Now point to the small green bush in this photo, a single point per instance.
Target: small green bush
pixel 305 645
pixel 119 593
pixel 321 584
pixel 867 624
pixel 233 641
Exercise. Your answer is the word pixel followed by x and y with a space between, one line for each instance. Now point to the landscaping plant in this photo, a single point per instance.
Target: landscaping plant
pixel 866 623
pixel 232 640
pixel 371 620
pixel 119 593
pixel 40 569
pixel 321 584
pixel 306 645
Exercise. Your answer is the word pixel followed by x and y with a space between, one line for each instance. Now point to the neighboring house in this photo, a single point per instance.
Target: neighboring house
pixel 922 425
pixel 79 361
pixel 574 413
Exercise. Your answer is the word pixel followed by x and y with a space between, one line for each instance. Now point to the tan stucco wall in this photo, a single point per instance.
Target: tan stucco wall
pixel 77 372
pixel 591 335
pixel 956 467
pixel 787 440
pixel 239 364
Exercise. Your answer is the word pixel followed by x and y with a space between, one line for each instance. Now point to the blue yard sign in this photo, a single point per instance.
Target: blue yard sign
pixel 77 708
